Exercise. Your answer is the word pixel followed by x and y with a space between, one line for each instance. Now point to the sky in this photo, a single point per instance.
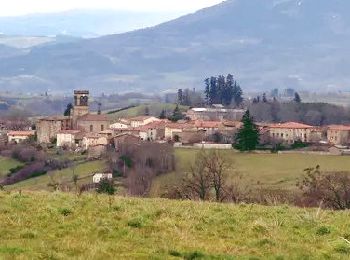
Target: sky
pixel 22 7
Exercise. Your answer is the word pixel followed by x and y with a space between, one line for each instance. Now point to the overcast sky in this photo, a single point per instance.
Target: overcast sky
pixel 21 7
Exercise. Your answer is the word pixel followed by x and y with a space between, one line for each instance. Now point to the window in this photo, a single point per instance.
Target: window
pixel 102 127
pixel 91 128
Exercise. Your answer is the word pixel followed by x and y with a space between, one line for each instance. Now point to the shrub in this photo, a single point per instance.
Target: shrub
pixel 65 211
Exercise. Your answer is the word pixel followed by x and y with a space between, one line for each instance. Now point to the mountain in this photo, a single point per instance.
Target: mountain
pixel 267 44
pixel 82 23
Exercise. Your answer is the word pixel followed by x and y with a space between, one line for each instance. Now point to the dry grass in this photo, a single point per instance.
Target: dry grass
pixel 63 226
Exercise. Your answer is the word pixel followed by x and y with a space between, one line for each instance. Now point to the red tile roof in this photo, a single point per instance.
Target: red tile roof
pixel 208 124
pixel 339 127
pixel 93 117
pixel 69 132
pixel 291 125
pixel 21 133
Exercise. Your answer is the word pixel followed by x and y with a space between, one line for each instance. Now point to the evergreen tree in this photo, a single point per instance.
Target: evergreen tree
pixel 162 114
pixel 177 115
pixel 237 94
pixel 297 98
pixel 247 137
pixel 213 90
pixel 68 109
pixel 146 113
pixel 264 99
pixel 180 96
pixel 207 91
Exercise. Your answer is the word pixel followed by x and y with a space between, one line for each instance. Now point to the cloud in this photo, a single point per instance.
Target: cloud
pixel 20 7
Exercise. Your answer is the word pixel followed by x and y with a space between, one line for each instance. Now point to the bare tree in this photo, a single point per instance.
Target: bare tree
pixel 198 181
pixel 331 189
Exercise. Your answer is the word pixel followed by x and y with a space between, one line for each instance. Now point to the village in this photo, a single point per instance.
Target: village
pixel 210 127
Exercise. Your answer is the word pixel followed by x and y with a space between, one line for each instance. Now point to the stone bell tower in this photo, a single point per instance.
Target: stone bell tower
pixel 81 104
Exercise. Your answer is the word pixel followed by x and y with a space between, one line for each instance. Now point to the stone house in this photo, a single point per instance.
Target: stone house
pixel 125 138
pixel 119 125
pixel 93 139
pixel 98 177
pixel 338 134
pixel 91 123
pixel 142 120
pixel 153 131
pixel 3 137
pixel 215 114
pixel 175 129
pixel 48 128
pixel 69 138
pixel 290 132
pixel 19 136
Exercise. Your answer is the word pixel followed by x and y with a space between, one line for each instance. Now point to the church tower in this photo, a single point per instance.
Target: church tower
pixel 81 104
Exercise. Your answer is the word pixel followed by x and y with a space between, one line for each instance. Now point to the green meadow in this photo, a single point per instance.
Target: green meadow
pixel 39 225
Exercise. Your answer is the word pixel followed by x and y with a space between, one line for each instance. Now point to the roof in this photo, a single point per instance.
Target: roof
pixel 208 124
pixel 228 123
pixel 180 125
pixel 290 125
pixel 69 132
pixel 93 117
pixel 21 133
pixel 54 118
pixel 126 134
pixel 141 118
pixel 339 127
pixel 108 131
pixel 153 125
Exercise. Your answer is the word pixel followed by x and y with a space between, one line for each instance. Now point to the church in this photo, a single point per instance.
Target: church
pixel 79 119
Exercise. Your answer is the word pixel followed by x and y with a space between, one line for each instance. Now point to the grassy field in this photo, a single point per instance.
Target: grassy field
pixel 64 226
pixel 6 164
pixel 265 170
pixel 82 170
pixel 154 109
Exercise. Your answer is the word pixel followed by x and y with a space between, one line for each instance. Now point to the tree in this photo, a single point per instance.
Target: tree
pixel 68 109
pixel 216 167
pixel 330 189
pixel 198 182
pixel 264 99
pixel 146 112
pixel 247 137
pixel 107 187
pixel 237 94
pixel 297 98
pixel 177 114
pixel 162 114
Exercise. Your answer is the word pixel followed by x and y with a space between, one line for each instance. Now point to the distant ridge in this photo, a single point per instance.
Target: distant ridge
pixel 303 44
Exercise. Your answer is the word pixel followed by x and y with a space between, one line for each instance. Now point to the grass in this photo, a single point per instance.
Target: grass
pixel 36 225
pixel 154 109
pixel 280 171
pixel 82 170
pixel 6 164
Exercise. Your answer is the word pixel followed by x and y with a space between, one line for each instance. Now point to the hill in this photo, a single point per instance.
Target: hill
pixel 266 171
pixel 302 44
pixel 63 226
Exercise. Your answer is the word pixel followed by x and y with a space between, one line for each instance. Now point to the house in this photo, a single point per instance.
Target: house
pixel 125 138
pixel 173 130
pixel 119 125
pixel 210 127
pixel 153 131
pixel 142 120
pixel 338 134
pixel 47 128
pixel 98 177
pixel 69 138
pixel 215 113
pixel 19 136
pixel 92 123
pixel 290 132
pixel 93 139
pixel 3 137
